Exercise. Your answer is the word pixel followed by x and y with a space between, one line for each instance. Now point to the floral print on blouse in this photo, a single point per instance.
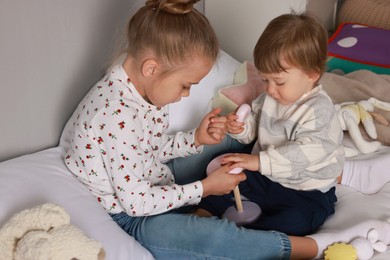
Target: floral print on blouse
pixel 119 148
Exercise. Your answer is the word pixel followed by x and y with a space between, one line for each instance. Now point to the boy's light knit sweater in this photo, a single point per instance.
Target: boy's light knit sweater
pixel 299 144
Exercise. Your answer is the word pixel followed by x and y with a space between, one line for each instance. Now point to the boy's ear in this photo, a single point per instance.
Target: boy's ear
pixel 314 76
pixel 150 68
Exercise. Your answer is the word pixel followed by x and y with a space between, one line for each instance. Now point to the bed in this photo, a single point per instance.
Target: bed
pixel 36 136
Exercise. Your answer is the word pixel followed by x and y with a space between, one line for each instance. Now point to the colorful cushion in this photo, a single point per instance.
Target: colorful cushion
pixel 354 47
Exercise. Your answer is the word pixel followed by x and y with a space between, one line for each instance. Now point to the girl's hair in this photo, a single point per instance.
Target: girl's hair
pixel 173 30
pixel 295 40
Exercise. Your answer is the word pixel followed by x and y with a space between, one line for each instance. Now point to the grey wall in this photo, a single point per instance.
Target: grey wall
pixel 52 52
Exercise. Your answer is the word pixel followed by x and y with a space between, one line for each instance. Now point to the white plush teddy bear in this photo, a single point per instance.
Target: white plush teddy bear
pixel 351 114
pixel 45 233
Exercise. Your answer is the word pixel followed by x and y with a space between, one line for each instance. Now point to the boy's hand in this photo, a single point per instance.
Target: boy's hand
pixel 247 161
pixel 233 126
pixel 212 129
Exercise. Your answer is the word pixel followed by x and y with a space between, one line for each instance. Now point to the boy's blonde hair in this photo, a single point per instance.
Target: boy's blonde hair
pixel 173 30
pixel 295 40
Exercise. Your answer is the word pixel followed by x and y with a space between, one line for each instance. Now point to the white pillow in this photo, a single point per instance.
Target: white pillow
pixel 42 177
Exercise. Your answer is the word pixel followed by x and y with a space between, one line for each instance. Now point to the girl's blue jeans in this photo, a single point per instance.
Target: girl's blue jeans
pixel 179 235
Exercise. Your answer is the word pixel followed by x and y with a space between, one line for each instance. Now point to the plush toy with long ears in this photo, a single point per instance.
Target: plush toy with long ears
pixel 351 114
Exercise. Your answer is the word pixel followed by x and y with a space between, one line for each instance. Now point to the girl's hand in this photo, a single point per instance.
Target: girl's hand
pixel 221 182
pixel 233 126
pixel 247 161
pixel 212 129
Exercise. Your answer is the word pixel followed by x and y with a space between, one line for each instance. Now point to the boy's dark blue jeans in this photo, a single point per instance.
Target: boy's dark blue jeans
pixel 286 210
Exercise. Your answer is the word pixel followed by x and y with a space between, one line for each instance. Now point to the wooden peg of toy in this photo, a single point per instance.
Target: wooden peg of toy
pixel 244 212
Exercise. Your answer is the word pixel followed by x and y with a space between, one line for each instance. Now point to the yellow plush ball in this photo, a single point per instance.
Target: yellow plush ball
pixel 340 251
